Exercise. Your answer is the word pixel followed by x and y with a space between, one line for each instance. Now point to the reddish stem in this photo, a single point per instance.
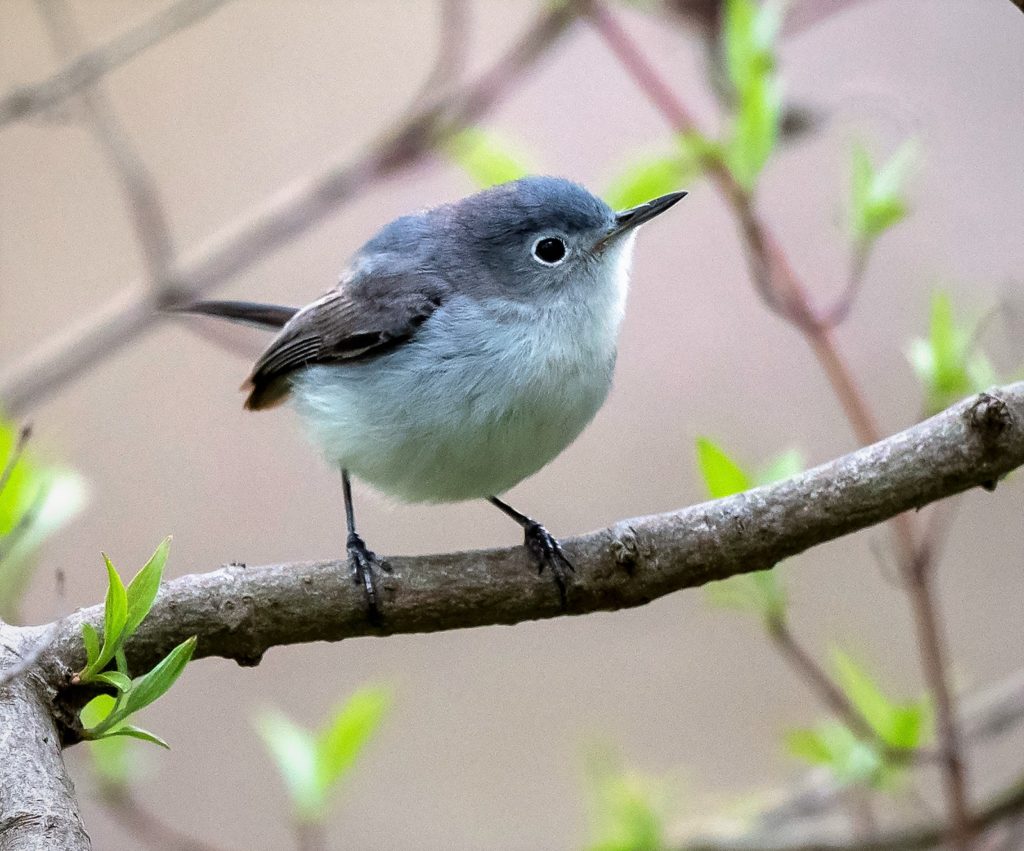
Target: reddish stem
pixel 783 291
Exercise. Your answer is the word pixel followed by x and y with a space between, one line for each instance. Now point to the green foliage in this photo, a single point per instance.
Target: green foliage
pixel 902 726
pixel 125 608
pixel 760 593
pixel 722 476
pixel 313 764
pixel 898 726
pixel 628 809
pixel 658 174
pixel 947 364
pixel 485 157
pixel 34 503
pixel 748 37
pixel 876 195
pixel 833 745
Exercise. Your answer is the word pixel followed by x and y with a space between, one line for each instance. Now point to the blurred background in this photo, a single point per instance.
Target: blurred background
pixel 488 733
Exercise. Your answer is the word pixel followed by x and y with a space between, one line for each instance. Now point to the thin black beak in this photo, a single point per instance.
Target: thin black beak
pixel 626 220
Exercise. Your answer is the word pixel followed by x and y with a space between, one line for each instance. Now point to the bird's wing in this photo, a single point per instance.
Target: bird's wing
pixel 363 318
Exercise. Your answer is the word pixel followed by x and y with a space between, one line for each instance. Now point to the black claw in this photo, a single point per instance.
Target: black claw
pixel 547 553
pixel 363 561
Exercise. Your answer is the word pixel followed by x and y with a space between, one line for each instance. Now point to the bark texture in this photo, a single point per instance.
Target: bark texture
pixel 38 811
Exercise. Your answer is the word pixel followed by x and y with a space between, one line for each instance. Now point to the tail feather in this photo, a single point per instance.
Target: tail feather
pixel 246 312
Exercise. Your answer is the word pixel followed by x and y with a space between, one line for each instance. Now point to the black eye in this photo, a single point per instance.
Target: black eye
pixel 550 250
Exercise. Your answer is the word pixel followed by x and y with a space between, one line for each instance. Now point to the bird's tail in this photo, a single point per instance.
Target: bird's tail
pixel 245 312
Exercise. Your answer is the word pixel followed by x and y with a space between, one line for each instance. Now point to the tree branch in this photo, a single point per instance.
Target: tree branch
pixel 1000 807
pixel 89 67
pixel 38 811
pixel 239 612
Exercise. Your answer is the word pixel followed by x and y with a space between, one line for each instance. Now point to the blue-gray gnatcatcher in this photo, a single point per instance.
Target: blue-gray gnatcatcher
pixel 464 348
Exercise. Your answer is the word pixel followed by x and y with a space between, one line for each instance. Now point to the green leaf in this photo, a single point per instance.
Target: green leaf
pixel 116 679
pixel 96 710
pixel 784 466
pixel 91 639
pixel 150 686
pixel 295 752
pixel 648 178
pixel 901 726
pixel 135 733
pixel 832 744
pixel 658 174
pixel 858 686
pixel 115 614
pixel 22 478
pixel 113 761
pixel 761 592
pixel 34 503
pixel 748 38
pixel 809 746
pixel 627 809
pixel 946 363
pixel 143 588
pixel 352 726
pixel 485 157
pixel 909 725
pixel 876 196
pixel 722 475
pixel 755 130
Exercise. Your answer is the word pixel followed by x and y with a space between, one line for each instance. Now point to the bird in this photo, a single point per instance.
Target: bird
pixel 464 347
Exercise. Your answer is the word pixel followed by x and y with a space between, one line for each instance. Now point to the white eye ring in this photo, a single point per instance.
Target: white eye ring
pixel 549 243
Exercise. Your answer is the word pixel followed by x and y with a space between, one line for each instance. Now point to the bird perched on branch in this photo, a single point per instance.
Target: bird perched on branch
pixel 463 349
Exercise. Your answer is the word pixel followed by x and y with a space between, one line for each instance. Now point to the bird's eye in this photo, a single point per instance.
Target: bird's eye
pixel 549 250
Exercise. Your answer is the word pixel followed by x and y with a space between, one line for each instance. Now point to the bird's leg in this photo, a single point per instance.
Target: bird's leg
pixel 542 547
pixel 360 558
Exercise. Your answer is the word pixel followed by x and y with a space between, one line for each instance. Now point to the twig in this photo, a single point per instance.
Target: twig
pixel 240 612
pixel 31 655
pixel 783 291
pixel 89 67
pixel 841 307
pixel 831 695
pixel 450 57
pixel 1006 804
pixel 142 198
pixel 283 218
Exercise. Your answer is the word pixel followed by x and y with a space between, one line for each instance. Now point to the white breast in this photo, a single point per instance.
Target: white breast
pixel 480 399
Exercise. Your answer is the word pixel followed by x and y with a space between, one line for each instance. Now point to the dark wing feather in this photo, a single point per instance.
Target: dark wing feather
pixel 364 318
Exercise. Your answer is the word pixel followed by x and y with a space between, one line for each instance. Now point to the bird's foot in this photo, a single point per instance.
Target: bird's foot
pixel 547 553
pixel 363 563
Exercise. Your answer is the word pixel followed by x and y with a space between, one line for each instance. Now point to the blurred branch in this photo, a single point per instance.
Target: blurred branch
pixel 450 59
pixel 784 292
pixel 989 713
pixel 1002 806
pixel 240 612
pixel 90 67
pixel 283 218
pixel 137 184
pixel 831 695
